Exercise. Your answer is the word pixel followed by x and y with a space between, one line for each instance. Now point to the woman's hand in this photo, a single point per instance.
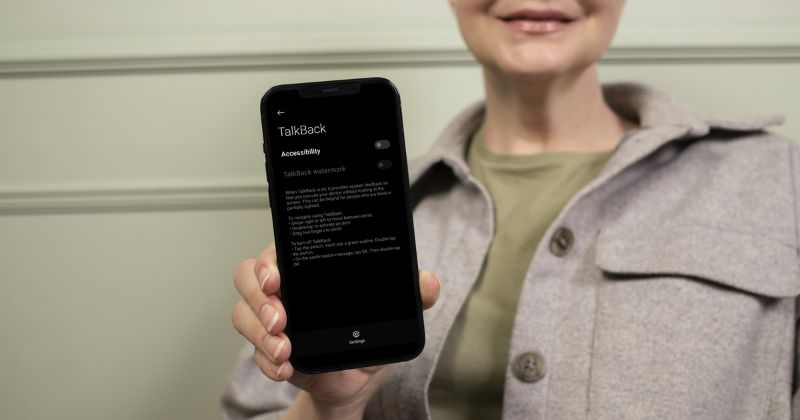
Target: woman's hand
pixel 260 317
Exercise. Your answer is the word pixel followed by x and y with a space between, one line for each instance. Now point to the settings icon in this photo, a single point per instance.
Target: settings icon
pixel 356 333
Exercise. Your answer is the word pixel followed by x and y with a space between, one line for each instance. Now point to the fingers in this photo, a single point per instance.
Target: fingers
pixel 429 287
pixel 273 315
pixel 279 371
pixel 274 348
pixel 260 316
pixel 266 271
pixel 277 347
pixel 268 308
pixel 249 326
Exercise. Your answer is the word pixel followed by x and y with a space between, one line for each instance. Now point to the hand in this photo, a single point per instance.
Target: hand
pixel 260 317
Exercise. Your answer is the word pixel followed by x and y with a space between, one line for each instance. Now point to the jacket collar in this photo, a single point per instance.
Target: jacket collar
pixel 662 119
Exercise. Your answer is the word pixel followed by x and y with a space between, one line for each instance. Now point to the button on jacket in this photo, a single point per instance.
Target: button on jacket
pixel 665 288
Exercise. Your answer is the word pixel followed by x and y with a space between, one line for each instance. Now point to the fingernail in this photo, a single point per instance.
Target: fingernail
pixel 272 322
pixel 278 349
pixel 280 369
pixel 265 311
pixel 263 275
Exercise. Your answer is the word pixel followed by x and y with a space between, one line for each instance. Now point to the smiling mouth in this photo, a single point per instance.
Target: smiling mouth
pixel 538 21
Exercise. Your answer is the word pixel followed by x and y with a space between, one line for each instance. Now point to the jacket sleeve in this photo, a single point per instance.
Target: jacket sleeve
pixel 794 159
pixel 796 379
pixel 248 394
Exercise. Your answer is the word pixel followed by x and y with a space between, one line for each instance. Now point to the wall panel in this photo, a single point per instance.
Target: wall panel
pixel 131 177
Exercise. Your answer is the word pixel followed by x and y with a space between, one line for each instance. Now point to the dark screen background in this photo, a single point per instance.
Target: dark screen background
pixel 348 290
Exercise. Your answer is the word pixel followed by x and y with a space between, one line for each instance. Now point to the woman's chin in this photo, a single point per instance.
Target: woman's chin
pixel 532 70
pixel 535 63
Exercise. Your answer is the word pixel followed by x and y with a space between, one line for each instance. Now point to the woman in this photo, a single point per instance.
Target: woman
pixel 604 252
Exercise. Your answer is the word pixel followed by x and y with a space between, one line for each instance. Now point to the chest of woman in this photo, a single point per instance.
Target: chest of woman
pixel 665 291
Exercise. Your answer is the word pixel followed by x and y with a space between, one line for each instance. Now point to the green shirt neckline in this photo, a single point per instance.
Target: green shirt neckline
pixel 533 160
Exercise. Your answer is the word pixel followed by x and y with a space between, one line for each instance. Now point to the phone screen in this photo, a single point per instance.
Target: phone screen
pixel 338 185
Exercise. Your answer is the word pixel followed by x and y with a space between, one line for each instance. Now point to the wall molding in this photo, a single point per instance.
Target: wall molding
pixel 251 194
pixel 237 196
pixel 44 66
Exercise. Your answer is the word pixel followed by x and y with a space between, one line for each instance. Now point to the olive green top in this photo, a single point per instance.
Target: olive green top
pixel 528 192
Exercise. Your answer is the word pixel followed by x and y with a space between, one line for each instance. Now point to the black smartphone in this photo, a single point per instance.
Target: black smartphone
pixel 344 235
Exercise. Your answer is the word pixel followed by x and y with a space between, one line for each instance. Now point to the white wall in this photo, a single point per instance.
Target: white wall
pixel 131 177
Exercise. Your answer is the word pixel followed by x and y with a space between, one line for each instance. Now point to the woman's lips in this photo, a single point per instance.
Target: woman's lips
pixel 537 22
pixel 537 26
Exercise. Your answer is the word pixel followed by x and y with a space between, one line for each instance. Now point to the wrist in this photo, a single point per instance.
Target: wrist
pixel 307 407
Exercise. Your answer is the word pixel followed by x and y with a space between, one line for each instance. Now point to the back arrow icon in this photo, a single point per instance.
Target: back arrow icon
pixel 280 112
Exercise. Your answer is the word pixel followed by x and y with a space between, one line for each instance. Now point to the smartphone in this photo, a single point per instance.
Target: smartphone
pixel 339 196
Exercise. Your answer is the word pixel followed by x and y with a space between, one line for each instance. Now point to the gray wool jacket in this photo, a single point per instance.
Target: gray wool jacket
pixel 666 288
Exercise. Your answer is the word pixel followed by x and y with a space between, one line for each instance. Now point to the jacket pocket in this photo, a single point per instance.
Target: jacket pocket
pixel 689 322
pixel 746 262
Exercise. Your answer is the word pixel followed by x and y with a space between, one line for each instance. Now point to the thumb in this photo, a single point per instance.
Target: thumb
pixel 429 287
